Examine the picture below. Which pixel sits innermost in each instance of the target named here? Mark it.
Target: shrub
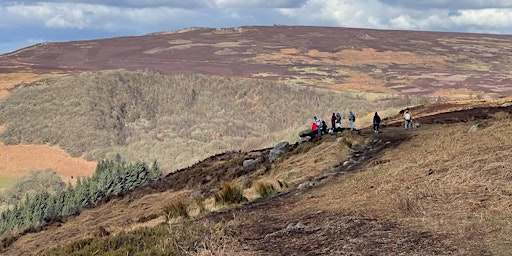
(265, 189)
(229, 194)
(175, 210)
(199, 200)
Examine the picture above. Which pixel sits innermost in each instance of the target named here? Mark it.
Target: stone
(473, 128)
(278, 150)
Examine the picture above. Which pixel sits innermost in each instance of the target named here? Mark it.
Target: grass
(444, 180)
(264, 189)
(188, 238)
(229, 194)
(6, 182)
(176, 210)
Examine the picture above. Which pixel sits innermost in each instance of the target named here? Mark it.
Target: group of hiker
(319, 126)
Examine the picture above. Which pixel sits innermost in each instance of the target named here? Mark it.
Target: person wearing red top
(314, 127)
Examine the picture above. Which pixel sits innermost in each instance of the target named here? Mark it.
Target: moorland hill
(437, 190)
(418, 63)
(209, 104)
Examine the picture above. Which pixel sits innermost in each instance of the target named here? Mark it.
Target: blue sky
(24, 23)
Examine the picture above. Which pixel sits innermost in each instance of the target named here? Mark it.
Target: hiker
(318, 124)
(376, 122)
(407, 119)
(351, 120)
(338, 119)
(333, 121)
(314, 128)
(324, 127)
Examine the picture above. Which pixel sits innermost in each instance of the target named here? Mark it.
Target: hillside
(419, 64)
(362, 70)
(436, 190)
(174, 119)
(202, 102)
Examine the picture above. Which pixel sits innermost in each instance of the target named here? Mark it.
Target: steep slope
(434, 190)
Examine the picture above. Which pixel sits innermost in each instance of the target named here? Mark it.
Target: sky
(24, 23)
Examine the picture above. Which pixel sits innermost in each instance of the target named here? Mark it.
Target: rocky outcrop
(278, 150)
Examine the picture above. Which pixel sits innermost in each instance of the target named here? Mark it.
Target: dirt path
(291, 223)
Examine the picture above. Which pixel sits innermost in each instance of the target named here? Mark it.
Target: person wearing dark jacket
(376, 122)
(333, 121)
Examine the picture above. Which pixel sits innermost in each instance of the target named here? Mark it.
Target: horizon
(29, 22)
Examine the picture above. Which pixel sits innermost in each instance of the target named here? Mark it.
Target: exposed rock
(305, 133)
(506, 105)
(250, 162)
(293, 226)
(278, 150)
(304, 139)
(473, 128)
(306, 184)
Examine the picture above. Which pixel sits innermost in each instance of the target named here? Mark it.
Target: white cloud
(186, 4)
(484, 18)
(449, 4)
(82, 16)
(53, 15)
(258, 3)
(362, 13)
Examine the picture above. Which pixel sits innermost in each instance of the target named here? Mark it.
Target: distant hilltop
(380, 62)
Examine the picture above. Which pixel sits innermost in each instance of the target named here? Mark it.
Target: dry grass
(444, 179)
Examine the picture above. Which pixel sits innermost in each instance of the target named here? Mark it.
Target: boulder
(250, 162)
(304, 139)
(305, 133)
(278, 150)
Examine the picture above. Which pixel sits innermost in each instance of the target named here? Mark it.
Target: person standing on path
(407, 119)
(318, 123)
(376, 122)
(338, 122)
(333, 121)
(351, 120)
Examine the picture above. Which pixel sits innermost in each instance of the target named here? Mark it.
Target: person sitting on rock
(318, 123)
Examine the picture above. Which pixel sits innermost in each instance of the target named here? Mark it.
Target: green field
(6, 182)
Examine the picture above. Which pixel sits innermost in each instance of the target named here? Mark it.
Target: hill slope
(434, 190)
(393, 62)
(174, 119)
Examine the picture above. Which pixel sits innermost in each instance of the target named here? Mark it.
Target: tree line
(112, 177)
